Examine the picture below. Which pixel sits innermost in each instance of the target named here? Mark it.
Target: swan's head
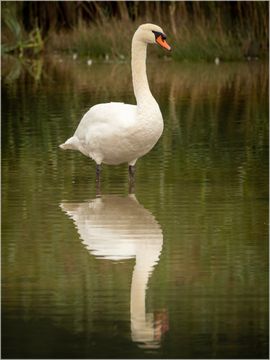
(152, 34)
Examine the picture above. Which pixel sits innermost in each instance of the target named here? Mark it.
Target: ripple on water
(178, 270)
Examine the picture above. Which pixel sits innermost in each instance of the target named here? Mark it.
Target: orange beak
(163, 43)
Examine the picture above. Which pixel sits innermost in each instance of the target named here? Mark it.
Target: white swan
(119, 228)
(115, 133)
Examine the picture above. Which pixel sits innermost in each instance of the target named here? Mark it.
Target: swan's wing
(115, 115)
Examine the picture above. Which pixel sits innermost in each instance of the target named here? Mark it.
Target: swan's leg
(98, 172)
(131, 171)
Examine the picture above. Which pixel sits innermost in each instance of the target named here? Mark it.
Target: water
(179, 268)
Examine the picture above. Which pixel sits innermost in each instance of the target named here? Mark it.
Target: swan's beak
(162, 42)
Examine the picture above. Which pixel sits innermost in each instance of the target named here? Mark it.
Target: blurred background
(198, 30)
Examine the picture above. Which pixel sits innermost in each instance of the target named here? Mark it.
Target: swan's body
(115, 133)
(111, 134)
(137, 235)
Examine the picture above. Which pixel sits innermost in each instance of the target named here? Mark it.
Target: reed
(197, 30)
(98, 41)
(14, 37)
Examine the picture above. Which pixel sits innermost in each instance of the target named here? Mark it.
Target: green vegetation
(14, 37)
(197, 30)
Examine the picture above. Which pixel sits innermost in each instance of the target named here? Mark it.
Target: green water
(196, 226)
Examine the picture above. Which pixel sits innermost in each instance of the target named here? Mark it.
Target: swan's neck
(139, 77)
(138, 292)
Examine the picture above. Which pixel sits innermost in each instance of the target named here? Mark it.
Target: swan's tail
(71, 144)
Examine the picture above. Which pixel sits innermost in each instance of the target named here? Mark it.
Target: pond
(178, 268)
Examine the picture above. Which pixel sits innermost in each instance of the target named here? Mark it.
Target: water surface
(179, 268)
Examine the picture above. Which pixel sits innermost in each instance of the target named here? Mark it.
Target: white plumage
(119, 228)
(115, 133)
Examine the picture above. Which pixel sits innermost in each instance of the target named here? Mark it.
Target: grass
(15, 39)
(197, 31)
(206, 44)
(96, 41)
(189, 43)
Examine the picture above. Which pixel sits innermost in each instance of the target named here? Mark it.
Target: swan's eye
(157, 34)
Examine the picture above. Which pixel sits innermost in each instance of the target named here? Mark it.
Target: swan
(115, 133)
(119, 228)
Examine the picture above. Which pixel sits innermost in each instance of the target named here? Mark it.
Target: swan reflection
(119, 228)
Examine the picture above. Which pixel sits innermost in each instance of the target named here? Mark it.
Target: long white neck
(142, 322)
(139, 77)
(138, 291)
(141, 329)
